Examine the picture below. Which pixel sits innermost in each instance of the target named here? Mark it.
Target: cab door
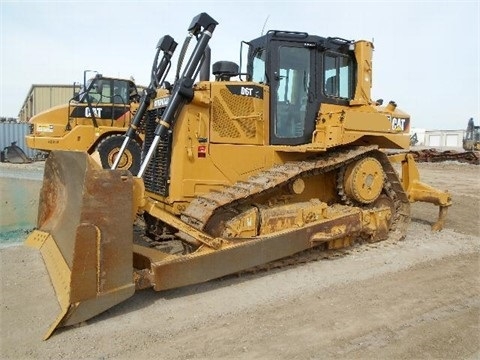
(292, 100)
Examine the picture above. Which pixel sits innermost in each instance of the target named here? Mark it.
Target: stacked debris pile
(433, 155)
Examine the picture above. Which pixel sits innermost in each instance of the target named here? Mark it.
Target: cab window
(338, 75)
(108, 91)
(293, 82)
(120, 92)
(258, 74)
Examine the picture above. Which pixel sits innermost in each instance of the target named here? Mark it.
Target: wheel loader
(237, 172)
(95, 121)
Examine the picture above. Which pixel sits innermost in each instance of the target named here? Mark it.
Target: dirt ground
(414, 299)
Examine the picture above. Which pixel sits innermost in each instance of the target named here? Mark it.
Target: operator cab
(102, 90)
(302, 71)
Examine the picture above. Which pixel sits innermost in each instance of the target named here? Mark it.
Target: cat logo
(398, 124)
(97, 112)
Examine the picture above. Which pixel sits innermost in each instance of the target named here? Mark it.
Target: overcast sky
(426, 54)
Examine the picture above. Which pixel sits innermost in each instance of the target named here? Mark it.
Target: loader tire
(131, 158)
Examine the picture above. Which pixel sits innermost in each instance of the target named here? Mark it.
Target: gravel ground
(417, 298)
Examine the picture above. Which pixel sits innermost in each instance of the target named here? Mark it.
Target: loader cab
(101, 90)
(103, 98)
(302, 71)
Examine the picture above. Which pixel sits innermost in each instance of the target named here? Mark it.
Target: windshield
(106, 91)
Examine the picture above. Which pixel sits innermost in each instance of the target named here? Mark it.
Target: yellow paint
(56, 129)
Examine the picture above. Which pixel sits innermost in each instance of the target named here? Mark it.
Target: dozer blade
(85, 235)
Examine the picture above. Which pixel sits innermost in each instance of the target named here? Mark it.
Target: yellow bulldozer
(95, 120)
(237, 172)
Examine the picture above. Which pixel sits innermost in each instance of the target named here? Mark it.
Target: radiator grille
(234, 116)
(223, 124)
(157, 174)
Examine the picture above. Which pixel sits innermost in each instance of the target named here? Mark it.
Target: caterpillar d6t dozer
(290, 156)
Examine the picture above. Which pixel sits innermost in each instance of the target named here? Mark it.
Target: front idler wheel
(363, 180)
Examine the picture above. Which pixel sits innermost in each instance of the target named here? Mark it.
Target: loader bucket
(85, 235)
(15, 155)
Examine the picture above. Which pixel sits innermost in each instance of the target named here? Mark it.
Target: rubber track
(202, 208)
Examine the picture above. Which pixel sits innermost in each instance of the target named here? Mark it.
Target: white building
(440, 139)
